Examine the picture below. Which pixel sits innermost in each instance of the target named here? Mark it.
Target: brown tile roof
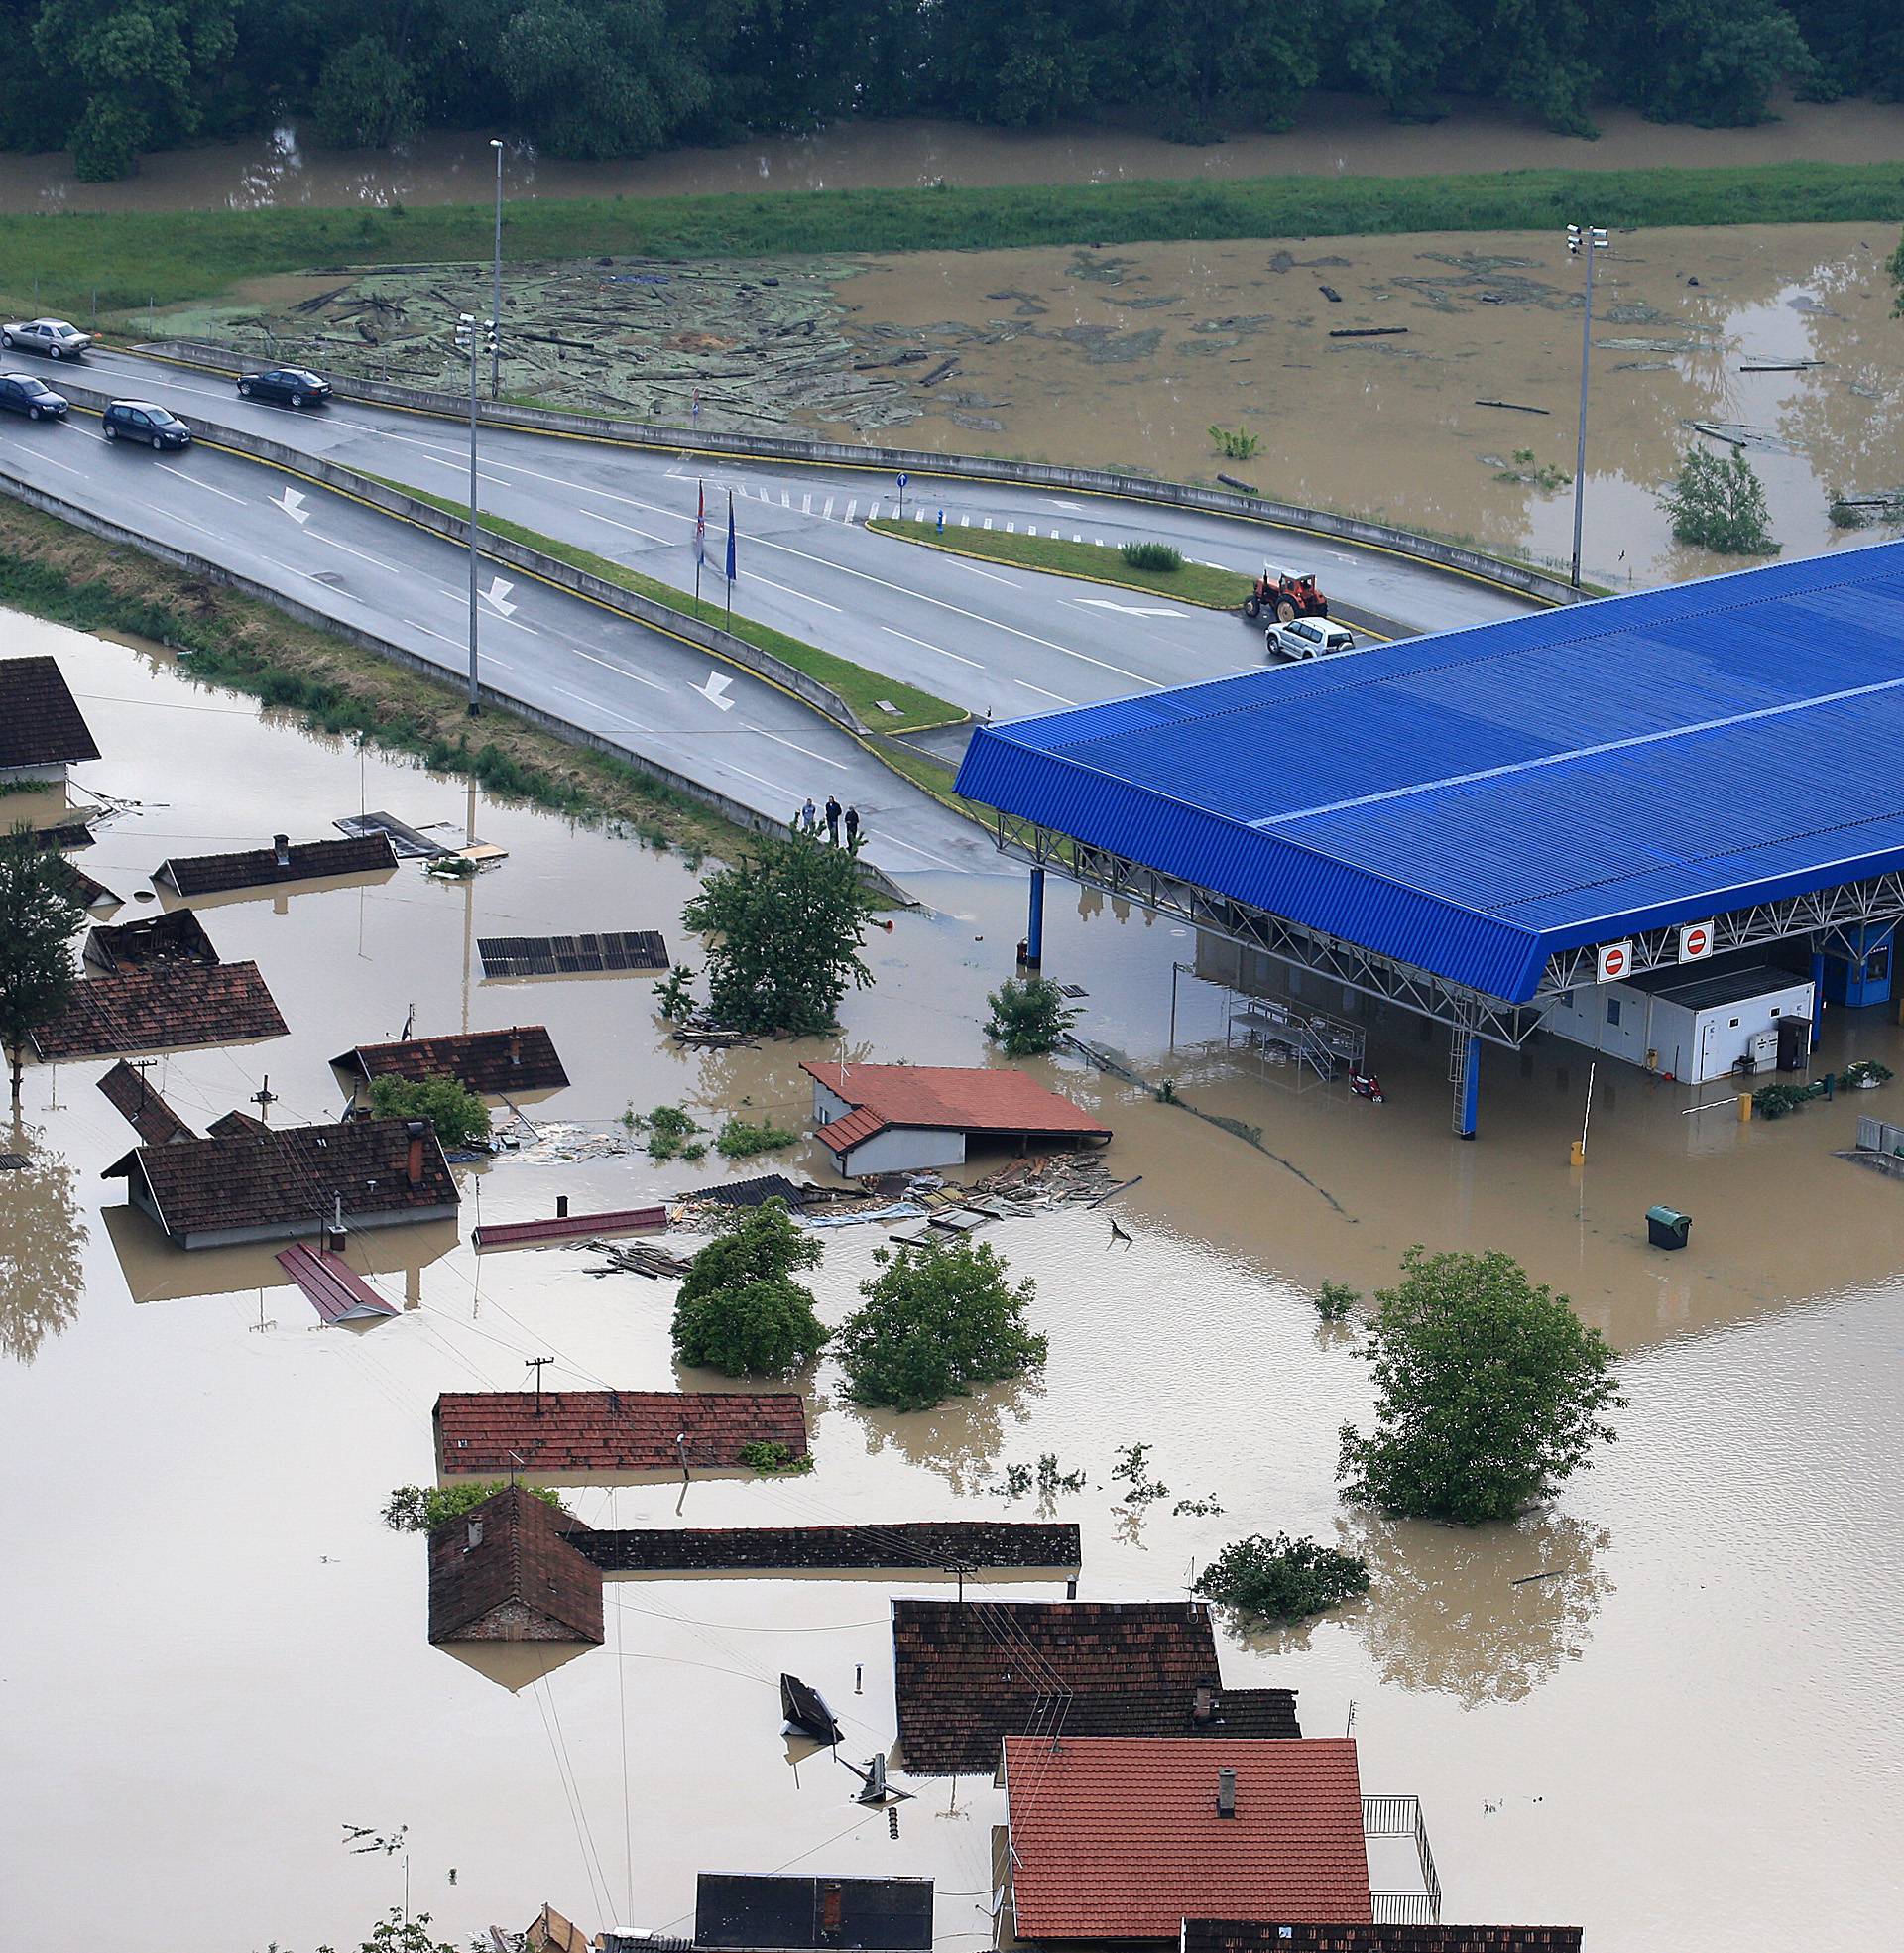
(229, 1123)
(941, 1544)
(520, 1579)
(1278, 1937)
(790, 1914)
(291, 1178)
(549, 1932)
(612, 1431)
(40, 722)
(162, 1009)
(177, 937)
(519, 1060)
(1119, 1838)
(968, 1099)
(966, 1677)
(85, 891)
(129, 1092)
(303, 861)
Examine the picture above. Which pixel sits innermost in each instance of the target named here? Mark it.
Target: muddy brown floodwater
(215, 1656)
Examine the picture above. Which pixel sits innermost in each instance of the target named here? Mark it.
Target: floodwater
(1339, 135)
(218, 1659)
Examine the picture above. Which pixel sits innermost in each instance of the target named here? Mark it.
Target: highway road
(646, 693)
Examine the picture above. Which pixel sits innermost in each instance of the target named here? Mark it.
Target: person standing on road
(833, 820)
(809, 816)
(852, 827)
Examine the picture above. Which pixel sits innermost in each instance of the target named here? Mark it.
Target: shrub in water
(1283, 1580)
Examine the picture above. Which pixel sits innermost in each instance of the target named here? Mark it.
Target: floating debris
(636, 1258)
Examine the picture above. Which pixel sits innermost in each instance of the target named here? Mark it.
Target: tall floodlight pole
(1587, 243)
(474, 337)
(496, 298)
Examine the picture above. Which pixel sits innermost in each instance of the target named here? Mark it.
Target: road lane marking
(649, 534)
(1126, 609)
(806, 505)
(939, 861)
(807, 750)
(51, 463)
(826, 514)
(989, 577)
(411, 624)
(1042, 693)
(197, 483)
(495, 481)
(771, 786)
(595, 705)
(575, 650)
(940, 648)
(850, 506)
(756, 578)
(332, 543)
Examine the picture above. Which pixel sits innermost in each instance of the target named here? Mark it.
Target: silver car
(54, 337)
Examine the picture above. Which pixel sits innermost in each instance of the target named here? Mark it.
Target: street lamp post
(473, 336)
(1586, 242)
(496, 295)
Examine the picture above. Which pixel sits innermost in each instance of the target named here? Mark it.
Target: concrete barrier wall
(920, 463)
(455, 528)
(739, 814)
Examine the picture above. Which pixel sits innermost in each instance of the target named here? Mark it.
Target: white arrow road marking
(714, 692)
(1129, 609)
(1070, 507)
(291, 501)
(498, 594)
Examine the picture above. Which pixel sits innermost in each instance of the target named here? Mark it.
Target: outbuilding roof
(41, 724)
(772, 1913)
(972, 1099)
(130, 1093)
(178, 937)
(1120, 1838)
(297, 861)
(1471, 802)
(164, 1008)
(612, 1431)
(504, 1572)
(966, 1677)
(519, 1060)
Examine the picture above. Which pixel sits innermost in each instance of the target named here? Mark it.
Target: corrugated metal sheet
(1473, 801)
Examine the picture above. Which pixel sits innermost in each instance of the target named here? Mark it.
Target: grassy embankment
(861, 690)
(1094, 562)
(64, 262)
(68, 576)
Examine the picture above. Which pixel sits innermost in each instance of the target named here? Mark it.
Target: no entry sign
(1615, 962)
(1695, 942)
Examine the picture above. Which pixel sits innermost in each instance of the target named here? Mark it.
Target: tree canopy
(1488, 1391)
(739, 1310)
(459, 1116)
(39, 913)
(618, 77)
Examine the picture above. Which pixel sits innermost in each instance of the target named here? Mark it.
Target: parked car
(296, 386)
(21, 392)
(52, 337)
(1308, 637)
(141, 420)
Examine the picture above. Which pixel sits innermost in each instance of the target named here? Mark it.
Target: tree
(367, 96)
(1029, 1017)
(38, 916)
(1720, 505)
(739, 1310)
(1488, 1391)
(1713, 62)
(460, 1116)
(1283, 1580)
(787, 922)
(938, 1319)
(424, 1508)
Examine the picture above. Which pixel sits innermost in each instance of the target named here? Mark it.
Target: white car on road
(1308, 637)
(53, 337)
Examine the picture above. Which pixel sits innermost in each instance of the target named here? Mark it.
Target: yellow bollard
(1578, 1158)
(1745, 1107)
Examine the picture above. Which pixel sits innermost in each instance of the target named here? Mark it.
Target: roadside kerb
(502, 548)
(737, 811)
(972, 467)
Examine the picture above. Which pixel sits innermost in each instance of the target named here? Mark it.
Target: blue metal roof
(1470, 801)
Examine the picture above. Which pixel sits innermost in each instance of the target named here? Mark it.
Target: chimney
(1226, 1794)
(280, 844)
(1203, 1705)
(414, 1164)
(515, 1047)
(832, 1903)
(475, 1535)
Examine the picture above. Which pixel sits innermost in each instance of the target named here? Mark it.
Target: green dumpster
(1667, 1227)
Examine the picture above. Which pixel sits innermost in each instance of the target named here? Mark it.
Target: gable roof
(129, 1092)
(40, 723)
(235, 1121)
(519, 1060)
(165, 1008)
(612, 1431)
(519, 1565)
(1277, 1936)
(972, 1099)
(301, 861)
(178, 937)
(788, 1914)
(1115, 1838)
(292, 1177)
(967, 1676)
(940, 1544)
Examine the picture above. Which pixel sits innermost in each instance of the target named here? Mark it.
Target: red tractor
(1286, 597)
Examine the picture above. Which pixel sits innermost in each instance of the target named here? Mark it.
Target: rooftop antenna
(536, 1364)
(515, 1463)
(263, 1098)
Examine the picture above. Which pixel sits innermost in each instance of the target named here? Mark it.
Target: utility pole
(472, 336)
(263, 1098)
(496, 298)
(536, 1364)
(1586, 242)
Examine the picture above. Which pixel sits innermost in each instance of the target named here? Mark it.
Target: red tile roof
(129, 1092)
(39, 724)
(959, 1098)
(162, 1009)
(612, 1431)
(520, 1579)
(1118, 1837)
(519, 1060)
(1281, 1936)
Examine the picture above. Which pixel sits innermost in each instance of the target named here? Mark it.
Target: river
(217, 1659)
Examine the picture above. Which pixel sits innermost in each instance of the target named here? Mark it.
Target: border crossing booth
(1693, 1027)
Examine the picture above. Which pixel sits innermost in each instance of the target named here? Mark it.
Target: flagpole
(730, 559)
(700, 543)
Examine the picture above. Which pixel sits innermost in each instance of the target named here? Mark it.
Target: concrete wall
(827, 1105)
(924, 466)
(53, 774)
(904, 1150)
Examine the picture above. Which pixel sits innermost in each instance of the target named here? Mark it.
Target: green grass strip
(1214, 589)
(122, 261)
(863, 690)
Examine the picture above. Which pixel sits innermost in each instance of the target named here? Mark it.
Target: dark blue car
(141, 420)
(294, 386)
(21, 392)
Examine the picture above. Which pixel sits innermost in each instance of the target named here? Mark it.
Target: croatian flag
(700, 529)
(730, 536)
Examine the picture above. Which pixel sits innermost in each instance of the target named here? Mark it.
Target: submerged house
(284, 861)
(494, 1064)
(772, 1913)
(270, 1185)
(905, 1118)
(42, 729)
(503, 1571)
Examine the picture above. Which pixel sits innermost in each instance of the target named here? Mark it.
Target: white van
(1308, 637)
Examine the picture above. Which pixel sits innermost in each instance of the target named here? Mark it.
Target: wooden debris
(1369, 332)
(637, 1258)
(1513, 406)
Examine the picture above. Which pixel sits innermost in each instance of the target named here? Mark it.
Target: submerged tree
(1488, 1391)
(38, 916)
(1283, 1580)
(1029, 1017)
(785, 924)
(458, 1115)
(739, 1312)
(1721, 505)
